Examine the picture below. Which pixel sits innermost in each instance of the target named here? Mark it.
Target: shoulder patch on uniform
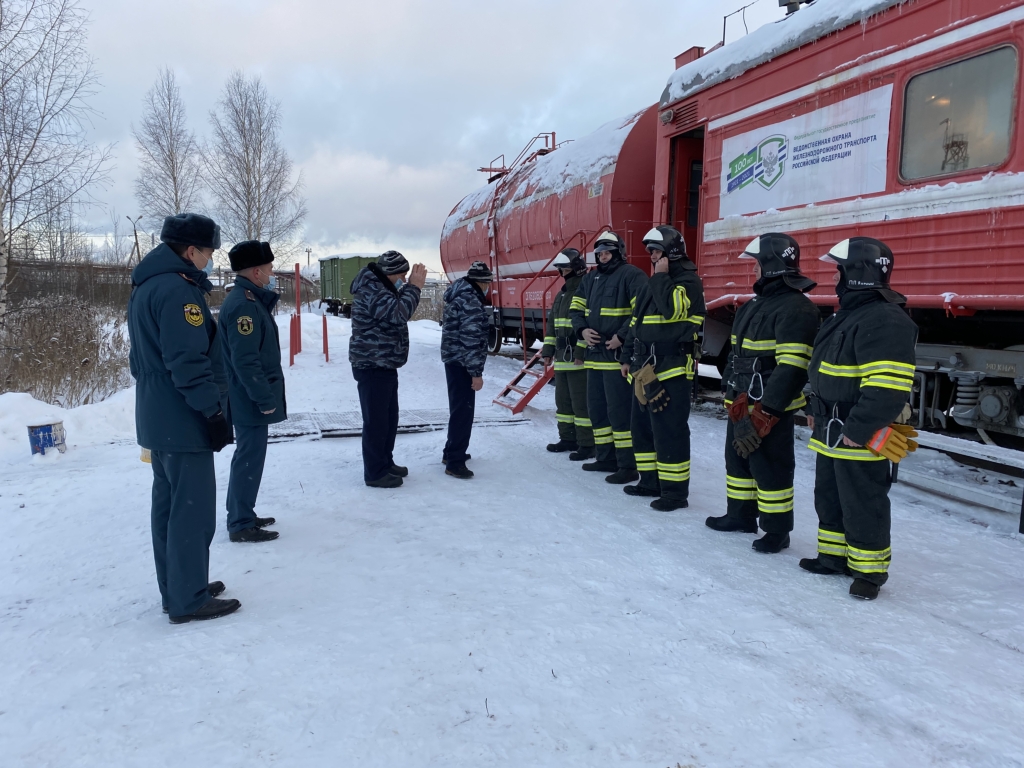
(250, 295)
(245, 325)
(193, 315)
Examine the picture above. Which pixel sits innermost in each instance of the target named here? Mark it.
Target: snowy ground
(532, 617)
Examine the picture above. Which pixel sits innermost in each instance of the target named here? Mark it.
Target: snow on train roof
(582, 161)
(768, 42)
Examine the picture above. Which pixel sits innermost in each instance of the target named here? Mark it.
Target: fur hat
(191, 229)
(393, 263)
(250, 253)
(479, 273)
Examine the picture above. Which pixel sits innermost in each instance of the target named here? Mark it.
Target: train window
(959, 117)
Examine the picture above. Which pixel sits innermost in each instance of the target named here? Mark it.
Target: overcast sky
(389, 106)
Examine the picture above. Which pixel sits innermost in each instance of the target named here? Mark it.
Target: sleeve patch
(193, 315)
(245, 325)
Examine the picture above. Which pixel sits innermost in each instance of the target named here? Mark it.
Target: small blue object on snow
(47, 436)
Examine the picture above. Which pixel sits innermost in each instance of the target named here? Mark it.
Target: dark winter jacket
(604, 302)
(773, 336)
(252, 354)
(666, 322)
(176, 358)
(561, 342)
(465, 327)
(380, 320)
(861, 373)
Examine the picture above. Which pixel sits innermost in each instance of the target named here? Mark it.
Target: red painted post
(327, 354)
(298, 309)
(291, 341)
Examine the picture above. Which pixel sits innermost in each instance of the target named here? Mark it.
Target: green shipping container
(336, 275)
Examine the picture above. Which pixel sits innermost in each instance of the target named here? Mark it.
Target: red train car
(895, 119)
(555, 197)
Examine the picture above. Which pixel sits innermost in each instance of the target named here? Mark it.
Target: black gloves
(220, 431)
(657, 396)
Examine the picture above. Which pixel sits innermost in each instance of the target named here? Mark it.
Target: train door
(686, 174)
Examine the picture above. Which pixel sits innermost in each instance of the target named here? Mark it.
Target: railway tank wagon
(895, 119)
(559, 196)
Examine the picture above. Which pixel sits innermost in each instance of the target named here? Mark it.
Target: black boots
(730, 523)
(388, 481)
(445, 459)
(864, 589)
(585, 452)
(253, 535)
(668, 504)
(602, 466)
(214, 588)
(622, 476)
(814, 565)
(562, 446)
(398, 471)
(211, 609)
(772, 543)
(641, 490)
(460, 471)
(263, 522)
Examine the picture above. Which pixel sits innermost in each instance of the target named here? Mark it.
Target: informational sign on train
(832, 153)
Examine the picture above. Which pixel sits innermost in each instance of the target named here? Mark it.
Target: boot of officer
(600, 313)
(662, 338)
(765, 375)
(861, 375)
(564, 351)
(181, 409)
(252, 353)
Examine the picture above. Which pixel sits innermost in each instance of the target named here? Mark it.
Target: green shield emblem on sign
(771, 154)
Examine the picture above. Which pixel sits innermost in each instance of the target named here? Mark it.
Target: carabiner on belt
(760, 386)
(828, 428)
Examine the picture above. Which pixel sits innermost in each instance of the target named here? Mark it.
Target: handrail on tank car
(584, 241)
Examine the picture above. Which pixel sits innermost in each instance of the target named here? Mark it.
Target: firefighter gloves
(893, 442)
(763, 421)
(656, 395)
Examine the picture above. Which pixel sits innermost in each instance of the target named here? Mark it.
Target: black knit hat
(479, 273)
(393, 263)
(191, 229)
(250, 253)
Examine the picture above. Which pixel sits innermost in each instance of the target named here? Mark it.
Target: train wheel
(493, 340)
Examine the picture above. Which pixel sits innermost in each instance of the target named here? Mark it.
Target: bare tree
(46, 78)
(169, 168)
(248, 171)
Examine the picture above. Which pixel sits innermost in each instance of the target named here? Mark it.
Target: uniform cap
(250, 253)
(191, 229)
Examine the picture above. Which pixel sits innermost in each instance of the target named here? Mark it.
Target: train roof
(769, 42)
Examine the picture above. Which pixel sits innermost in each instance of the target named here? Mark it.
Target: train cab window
(959, 117)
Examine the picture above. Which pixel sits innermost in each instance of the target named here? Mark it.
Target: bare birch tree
(249, 173)
(46, 79)
(170, 160)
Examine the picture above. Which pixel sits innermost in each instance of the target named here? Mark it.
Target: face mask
(399, 283)
(208, 269)
(272, 285)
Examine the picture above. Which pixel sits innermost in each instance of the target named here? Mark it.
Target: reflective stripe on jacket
(604, 302)
(560, 342)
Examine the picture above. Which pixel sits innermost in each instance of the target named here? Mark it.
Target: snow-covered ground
(534, 616)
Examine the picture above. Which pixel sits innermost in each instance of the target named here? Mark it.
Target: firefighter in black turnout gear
(600, 313)
(663, 334)
(861, 375)
(563, 349)
(772, 340)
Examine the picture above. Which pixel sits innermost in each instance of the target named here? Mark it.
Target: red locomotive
(896, 119)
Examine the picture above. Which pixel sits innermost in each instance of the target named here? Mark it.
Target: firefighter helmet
(668, 240)
(865, 264)
(570, 258)
(778, 255)
(609, 241)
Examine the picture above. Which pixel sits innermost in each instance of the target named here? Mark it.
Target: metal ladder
(541, 378)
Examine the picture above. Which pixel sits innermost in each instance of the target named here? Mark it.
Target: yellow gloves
(893, 442)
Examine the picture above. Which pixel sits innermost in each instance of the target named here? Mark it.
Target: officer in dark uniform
(600, 314)
(252, 352)
(565, 352)
(861, 376)
(663, 333)
(765, 375)
(181, 409)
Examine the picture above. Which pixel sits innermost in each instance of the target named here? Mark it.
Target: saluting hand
(418, 276)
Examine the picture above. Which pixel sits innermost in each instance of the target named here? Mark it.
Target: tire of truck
(494, 340)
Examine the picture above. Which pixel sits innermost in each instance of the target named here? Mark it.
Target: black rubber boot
(445, 460)
(398, 471)
(585, 452)
(622, 477)
(211, 609)
(562, 446)
(641, 490)
(460, 471)
(388, 481)
(263, 522)
(602, 466)
(668, 504)
(253, 535)
(214, 588)
(729, 523)
(772, 543)
(814, 565)
(864, 589)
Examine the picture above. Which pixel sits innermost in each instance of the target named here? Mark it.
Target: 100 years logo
(764, 164)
